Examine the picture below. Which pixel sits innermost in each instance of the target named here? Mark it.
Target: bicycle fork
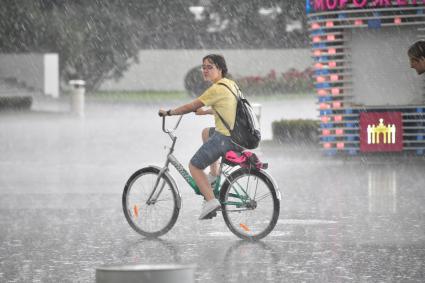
(159, 185)
(154, 197)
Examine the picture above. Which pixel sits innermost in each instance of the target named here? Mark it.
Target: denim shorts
(216, 146)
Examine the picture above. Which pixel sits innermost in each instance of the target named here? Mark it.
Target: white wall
(166, 69)
(51, 74)
(40, 71)
(381, 69)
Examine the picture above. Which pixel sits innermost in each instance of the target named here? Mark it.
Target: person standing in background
(416, 55)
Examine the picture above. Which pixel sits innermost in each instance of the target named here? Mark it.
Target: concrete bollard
(162, 273)
(77, 97)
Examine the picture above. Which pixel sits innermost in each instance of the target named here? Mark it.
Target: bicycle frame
(179, 167)
(183, 172)
(188, 178)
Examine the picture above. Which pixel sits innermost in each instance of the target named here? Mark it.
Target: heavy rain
(80, 89)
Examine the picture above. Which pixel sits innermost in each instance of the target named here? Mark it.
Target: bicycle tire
(253, 219)
(150, 220)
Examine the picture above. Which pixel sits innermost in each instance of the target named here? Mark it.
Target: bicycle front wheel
(250, 204)
(151, 210)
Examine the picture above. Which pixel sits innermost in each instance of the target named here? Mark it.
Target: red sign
(381, 131)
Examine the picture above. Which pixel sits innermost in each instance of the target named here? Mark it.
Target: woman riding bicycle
(216, 140)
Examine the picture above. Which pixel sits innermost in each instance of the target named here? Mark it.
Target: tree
(95, 39)
(98, 40)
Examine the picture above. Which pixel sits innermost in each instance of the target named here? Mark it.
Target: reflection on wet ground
(342, 220)
(66, 245)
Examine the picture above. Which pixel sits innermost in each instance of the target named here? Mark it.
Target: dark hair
(219, 61)
(417, 50)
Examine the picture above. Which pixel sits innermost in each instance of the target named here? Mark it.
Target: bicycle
(249, 197)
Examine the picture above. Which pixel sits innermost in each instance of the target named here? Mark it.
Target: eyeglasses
(207, 67)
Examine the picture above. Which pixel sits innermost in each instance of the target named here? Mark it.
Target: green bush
(296, 131)
(15, 102)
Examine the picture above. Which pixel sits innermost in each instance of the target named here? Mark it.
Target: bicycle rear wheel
(151, 216)
(250, 203)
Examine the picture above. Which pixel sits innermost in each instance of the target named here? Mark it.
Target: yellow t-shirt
(222, 101)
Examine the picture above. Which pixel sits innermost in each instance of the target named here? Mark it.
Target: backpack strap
(238, 96)
(221, 118)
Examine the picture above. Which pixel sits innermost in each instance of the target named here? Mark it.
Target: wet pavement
(61, 178)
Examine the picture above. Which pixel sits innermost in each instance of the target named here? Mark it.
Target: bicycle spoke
(256, 186)
(160, 200)
(263, 197)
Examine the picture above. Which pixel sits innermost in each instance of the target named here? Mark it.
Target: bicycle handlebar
(168, 131)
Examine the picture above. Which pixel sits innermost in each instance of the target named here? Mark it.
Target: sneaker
(209, 207)
(210, 215)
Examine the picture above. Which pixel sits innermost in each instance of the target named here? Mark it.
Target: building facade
(362, 75)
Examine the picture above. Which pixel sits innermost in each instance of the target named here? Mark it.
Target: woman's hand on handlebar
(163, 113)
(184, 109)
